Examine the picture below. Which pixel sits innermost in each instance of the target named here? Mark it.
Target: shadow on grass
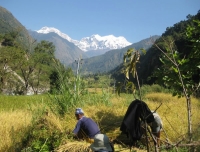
(110, 125)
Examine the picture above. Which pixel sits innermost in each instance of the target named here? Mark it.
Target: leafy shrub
(43, 136)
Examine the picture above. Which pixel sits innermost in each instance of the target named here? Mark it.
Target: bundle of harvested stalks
(74, 147)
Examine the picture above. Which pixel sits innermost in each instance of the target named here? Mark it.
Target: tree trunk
(189, 118)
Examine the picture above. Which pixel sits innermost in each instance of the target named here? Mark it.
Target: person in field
(133, 124)
(156, 126)
(85, 128)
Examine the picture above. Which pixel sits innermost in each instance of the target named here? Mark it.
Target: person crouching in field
(156, 127)
(85, 128)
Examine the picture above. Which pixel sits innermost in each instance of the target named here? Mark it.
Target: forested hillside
(151, 60)
(9, 24)
(26, 67)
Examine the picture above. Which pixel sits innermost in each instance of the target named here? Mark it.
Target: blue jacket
(87, 126)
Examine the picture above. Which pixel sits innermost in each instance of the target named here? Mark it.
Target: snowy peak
(46, 30)
(97, 42)
(94, 42)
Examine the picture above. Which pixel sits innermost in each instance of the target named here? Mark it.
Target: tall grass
(72, 92)
(17, 115)
(20, 102)
(47, 131)
(13, 126)
(155, 88)
(173, 112)
(68, 92)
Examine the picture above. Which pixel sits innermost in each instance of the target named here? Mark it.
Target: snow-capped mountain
(96, 42)
(92, 43)
(46, 30)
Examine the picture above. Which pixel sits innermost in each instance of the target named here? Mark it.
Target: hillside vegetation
(9, 24)
(150, 61)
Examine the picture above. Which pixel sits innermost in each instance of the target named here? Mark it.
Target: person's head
(101, 143)
(79, 113)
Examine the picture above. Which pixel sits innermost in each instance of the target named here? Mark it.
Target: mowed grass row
(17, 114)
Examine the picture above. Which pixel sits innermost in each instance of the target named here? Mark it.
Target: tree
(11, 54)
(23, 68)
(131, 58)
(41, 61)
(180, 70)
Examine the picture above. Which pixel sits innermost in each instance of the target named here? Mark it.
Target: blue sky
(133, 19)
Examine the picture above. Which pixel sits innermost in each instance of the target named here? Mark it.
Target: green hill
(9, 24)
(150, 62)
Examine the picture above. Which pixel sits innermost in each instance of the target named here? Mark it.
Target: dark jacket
(87, 127)
(136, 112)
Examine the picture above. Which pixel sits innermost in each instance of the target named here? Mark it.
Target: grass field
(29, 117)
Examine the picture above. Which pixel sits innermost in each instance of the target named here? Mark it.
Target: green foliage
(99, 81)
(41, 137)
(9, 24)
(193, 36)
(42, 141)
(62, 97)
(42, 60)
(9, 39)
(66, 91)
(155, 88)
(179, 70)
(131, 59)
(8, 103)
(45, 47)
(21, 69)
(175, 63)
(54, 82)
(150, 61)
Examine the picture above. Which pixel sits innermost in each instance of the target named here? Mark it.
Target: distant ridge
(111, 59)
(66, 51)
(94, 45)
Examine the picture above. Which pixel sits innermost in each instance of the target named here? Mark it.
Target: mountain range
(107, 51)
(111, 59)
(68, 50)
(94, 44)
(100, 54)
